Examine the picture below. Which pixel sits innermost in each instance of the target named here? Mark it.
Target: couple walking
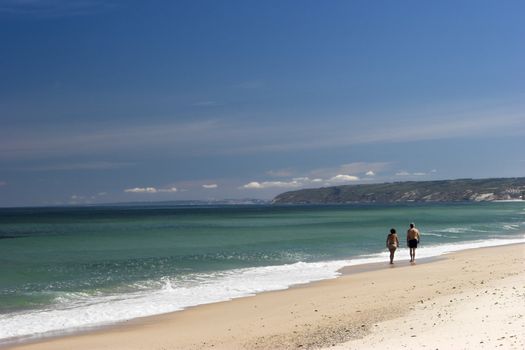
(392, 242)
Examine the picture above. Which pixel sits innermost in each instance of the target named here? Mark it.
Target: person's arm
(387, 241)
(397, 241)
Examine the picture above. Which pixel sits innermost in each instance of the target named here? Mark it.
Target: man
(412, 241)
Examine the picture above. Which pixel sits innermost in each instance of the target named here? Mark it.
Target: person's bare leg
(392, 256)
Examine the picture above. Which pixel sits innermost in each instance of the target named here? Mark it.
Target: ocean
(64, 269)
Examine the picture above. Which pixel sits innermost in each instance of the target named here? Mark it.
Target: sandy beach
(465, 300)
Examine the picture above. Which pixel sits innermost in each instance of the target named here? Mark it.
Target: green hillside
(411, 191)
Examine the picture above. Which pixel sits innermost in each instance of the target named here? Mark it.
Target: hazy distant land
(461, 190)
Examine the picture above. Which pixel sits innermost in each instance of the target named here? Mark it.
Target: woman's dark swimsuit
(412, 243)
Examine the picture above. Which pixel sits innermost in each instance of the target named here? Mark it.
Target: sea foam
(79, 311)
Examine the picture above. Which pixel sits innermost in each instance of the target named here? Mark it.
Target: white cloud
(141, 190)
(299, 182)
(370, 173)
(343, 178)
(339, 133)
(253, 185)
(90, 139)
(351, 168)
(151, 190)
(271, 184)
(210, 186)
(406, 173)
(301, 179)
(230, 137)
(168, 190)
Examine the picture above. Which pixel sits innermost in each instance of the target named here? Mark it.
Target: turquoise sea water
(63, 268)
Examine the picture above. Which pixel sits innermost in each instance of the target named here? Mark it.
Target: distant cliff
(462, 190)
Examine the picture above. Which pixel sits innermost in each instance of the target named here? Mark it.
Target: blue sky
(111, 101)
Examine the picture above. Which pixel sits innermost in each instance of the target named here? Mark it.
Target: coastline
(312, 315)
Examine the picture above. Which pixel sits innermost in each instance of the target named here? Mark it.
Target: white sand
(491, 317)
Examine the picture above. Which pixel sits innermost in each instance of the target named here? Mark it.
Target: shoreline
(359, 267)
(344, 271)
(365, 271)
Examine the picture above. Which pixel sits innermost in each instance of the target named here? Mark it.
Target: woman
(392, 243)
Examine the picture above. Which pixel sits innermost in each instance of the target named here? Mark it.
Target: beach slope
(468, 299)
